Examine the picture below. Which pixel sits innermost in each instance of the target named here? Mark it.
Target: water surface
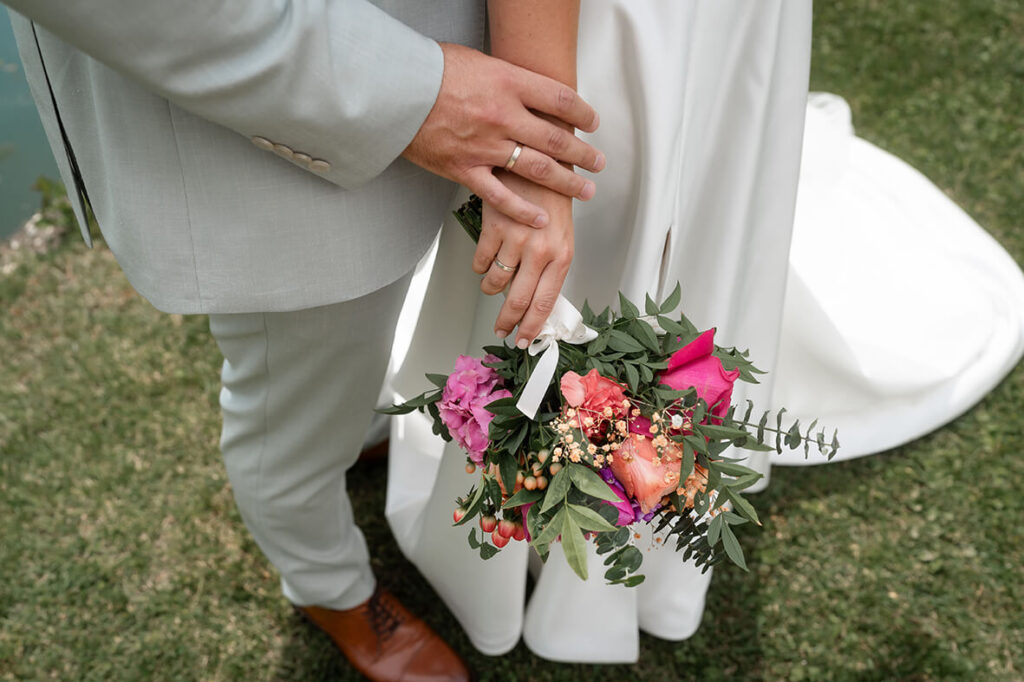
(24, 152)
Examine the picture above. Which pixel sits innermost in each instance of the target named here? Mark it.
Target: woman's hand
(541, 258)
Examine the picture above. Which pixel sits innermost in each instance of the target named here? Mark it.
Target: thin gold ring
(515, 157)
(504, 267)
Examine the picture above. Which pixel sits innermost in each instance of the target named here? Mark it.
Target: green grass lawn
(122, 556)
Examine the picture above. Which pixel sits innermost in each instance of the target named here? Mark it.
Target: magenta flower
(468, 390)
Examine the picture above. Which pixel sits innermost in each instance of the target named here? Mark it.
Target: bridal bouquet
(606, 421)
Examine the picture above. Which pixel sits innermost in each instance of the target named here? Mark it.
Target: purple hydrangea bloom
(468, 390)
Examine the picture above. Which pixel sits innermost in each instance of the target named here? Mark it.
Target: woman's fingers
(486, 249)
(543, 302)
(503, 268)
(517, 301)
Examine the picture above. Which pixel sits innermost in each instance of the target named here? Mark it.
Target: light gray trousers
(298, 394)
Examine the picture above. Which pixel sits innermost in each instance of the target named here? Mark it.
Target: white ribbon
(564, 324)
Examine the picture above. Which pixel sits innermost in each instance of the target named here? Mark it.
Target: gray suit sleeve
(339, 80)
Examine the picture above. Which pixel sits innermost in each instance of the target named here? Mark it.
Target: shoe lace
(382, 616)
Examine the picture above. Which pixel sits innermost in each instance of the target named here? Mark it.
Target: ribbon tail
(540, 379)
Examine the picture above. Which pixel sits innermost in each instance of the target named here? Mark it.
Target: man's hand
(485, 107)
(541, 256)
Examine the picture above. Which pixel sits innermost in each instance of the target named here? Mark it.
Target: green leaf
(793, 436)
(631, 558)
(574, 547)
(557, 489)
(503, 406)
(697, 443)
(671, 327)
(473, 542)
(522, 497)
(744, 482)
(588, 519)
(487, 550)
(589, 482)
(553, 528)
(761, 426)
(632, 376)
(587, 313)
(646, 373)
(731, 469)
(474, 505)
(627, 309)
(438, 380)
(778, 434)
(645, 334)
(507, 467)
(621, 341)
(396, 409)
(741, 505)
(516, 442)
(732, 547)
(650, 306)
(615, 574)
(670, 303)
(720, 432)
(597, 345)
(754, 446)
(631, 581)
(715, 529)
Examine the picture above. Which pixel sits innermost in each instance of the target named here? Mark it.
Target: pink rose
(468, 390)
(591, 394)
(646, 476)
(694, 366)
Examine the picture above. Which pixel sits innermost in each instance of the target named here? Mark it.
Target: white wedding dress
(702, 109)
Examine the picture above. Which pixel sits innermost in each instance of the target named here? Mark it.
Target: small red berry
(459, 514)
(470, 468)
(506, 528)
(519, 533)
(498, 539)
(530, 483)
(542, 483)
(488, 523)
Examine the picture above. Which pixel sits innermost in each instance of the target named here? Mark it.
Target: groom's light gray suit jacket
(243, 155)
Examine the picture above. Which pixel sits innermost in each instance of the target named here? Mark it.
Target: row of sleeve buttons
(286, 152)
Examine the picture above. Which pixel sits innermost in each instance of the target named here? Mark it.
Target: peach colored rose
(646, 476)
(591, 394)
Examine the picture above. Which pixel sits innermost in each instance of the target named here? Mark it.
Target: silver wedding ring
(501, 265)
(515, 157)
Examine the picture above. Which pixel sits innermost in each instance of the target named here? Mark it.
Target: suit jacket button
(283, 150)
(319, 166)
(263, 143)
(304, 159)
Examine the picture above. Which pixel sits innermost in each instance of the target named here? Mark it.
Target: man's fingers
(560, 144)
(543, 170)
(559, 100)
(481, 181)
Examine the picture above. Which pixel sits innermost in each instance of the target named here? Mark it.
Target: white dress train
(897, 301)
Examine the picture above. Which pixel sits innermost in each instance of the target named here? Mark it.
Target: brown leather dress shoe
(384, 641)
